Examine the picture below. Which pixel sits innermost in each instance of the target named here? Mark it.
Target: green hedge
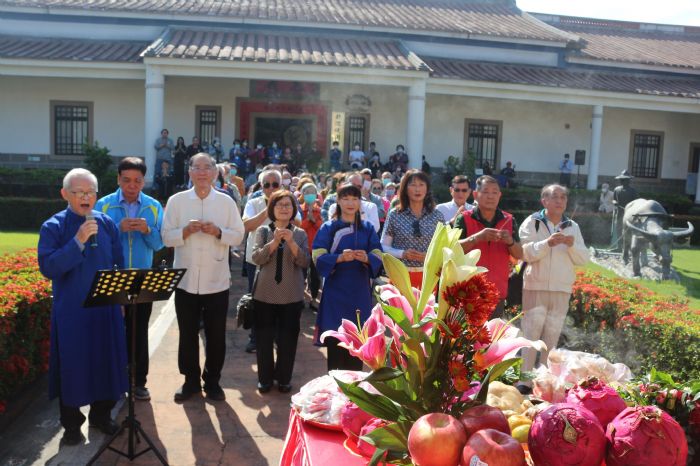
(43, 183)
(27, 213)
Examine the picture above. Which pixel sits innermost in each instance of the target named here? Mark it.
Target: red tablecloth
(307, 445)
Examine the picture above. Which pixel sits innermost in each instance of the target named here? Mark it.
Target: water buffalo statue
(646, 224)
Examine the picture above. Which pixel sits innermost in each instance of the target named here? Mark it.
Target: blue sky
(685, 12)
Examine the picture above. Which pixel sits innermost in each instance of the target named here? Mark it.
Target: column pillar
(594, 158)
(415, 123)
(155, 97)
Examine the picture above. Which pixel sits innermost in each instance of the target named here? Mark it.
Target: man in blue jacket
(139, 218)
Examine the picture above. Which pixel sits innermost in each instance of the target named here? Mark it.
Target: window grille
(208, 125)
(483, 143)
(646, 154)
(71, 129)
(357, 128)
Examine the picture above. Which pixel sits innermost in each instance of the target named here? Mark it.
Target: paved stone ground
(247, 429)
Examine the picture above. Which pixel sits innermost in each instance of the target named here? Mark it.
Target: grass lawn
(13, 241)
(686, 261)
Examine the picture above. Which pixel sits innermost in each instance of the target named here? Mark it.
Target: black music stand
(129, 287)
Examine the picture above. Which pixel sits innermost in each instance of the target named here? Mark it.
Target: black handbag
(515, 286)
(245, 309)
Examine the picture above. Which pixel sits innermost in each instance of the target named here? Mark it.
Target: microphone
(93, 238)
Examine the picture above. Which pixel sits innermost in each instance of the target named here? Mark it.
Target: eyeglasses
(274, 185)
(82, 194)
(459, 190)
(201, 169)
(416, 228)
(283, 206)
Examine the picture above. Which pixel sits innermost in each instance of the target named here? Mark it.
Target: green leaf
(663, 377)
(376, 405)
(376, 457)
(383, 373)
(414, 352)
(398, 316)
(391, 437)
(495, 372)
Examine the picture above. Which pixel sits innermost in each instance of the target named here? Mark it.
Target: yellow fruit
(520, 433)
(518, 420)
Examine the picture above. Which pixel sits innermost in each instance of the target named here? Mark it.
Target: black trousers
(143, 315)
(72, 418)
(212, 309)
(276, 323)
(340, 358)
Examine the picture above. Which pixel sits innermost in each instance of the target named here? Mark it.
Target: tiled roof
(70, 49)
(636, 43)
(287, 48)
(499, 18)
(612, 81)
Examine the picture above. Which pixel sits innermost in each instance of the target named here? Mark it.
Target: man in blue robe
(87, 363)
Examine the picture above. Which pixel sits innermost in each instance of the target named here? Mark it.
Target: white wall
(679, 130)
(535, 135)
(387, 114)
(183, 94)
(25, 112)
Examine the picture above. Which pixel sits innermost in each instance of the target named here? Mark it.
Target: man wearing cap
(622, 195)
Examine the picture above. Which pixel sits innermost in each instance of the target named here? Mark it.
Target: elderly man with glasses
(87, 362)
(201, 224)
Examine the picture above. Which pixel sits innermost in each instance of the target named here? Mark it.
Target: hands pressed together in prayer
(196, 226)
(560, 238)
(350, 255)
(495, 235)
(413, 255)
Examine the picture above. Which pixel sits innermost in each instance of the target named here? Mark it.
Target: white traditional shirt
(204, 256)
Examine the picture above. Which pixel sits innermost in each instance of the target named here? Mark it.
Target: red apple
(484, 417)
(436, 439)
(492, 447)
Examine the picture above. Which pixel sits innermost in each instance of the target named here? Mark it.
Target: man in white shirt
(356, 158)
(460, 190)
(201, 224)
(368, 210)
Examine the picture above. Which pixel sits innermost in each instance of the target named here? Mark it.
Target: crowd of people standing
(305, 235)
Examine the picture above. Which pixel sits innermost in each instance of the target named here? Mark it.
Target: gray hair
(212, 160)
(549, 189)
(265, 173)
(78, 173)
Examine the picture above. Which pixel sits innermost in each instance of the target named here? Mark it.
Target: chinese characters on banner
(338, 128)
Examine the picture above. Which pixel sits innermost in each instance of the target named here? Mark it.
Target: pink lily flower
(368, 343)
(505, 343)
(391, 295)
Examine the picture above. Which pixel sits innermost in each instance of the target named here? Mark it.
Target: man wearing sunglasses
(460, 191)
(254, 216)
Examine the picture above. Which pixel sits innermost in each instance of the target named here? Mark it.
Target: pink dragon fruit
(367, 449)
(646, 435)
(352, 419)
(566, 434)
(598, 397)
